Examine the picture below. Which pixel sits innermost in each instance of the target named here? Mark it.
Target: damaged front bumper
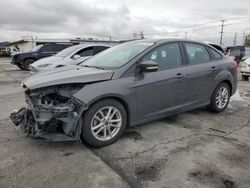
(44, 119)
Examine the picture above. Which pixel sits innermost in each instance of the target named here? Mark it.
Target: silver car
(126, 85)
(70, 56)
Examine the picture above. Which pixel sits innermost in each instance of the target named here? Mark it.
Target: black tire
(87, 134)
(213, 107)
(20, 67)
(27, 63)
(245, 78)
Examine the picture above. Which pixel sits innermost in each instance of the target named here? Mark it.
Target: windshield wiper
(91, 66)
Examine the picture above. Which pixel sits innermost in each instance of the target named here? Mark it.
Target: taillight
(234, 64)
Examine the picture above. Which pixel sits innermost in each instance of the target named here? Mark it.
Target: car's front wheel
(104, 123)
(27, 63)
(220, 98)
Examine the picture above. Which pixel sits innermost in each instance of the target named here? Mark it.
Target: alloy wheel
(106, 123)
(222, 97)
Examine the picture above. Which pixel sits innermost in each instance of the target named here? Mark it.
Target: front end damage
(52, 113)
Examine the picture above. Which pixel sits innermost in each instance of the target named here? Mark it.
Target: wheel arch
(114, 97)
(228, 82)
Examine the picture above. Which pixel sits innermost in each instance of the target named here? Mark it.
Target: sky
(124, 19)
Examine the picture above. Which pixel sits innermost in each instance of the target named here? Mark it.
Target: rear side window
(59, 48)
(99, 49)
(216, 55)
(47, 48)
(86, 52)
(197, 53)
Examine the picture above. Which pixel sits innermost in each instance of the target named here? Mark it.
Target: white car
(245, 69)
(72, 55)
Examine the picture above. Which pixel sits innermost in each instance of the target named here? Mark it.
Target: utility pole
(235, 39)
(222, 31)
(244, 35)
(135, 35)
(141, 34)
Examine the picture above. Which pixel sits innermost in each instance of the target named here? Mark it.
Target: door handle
(212, 69)
(179, 75)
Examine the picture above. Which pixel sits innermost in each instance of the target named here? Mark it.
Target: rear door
(201, 72)
(165, 90)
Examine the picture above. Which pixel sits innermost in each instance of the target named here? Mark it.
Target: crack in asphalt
(239, 128)
(224, 135)
(156, 145)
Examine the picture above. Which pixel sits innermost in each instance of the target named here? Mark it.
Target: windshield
(37, 48)
(117, 56)
(67, 51)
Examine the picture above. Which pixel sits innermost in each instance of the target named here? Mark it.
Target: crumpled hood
(66, 75)
(47, 60)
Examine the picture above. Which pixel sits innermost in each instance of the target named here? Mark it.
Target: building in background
(25, 45)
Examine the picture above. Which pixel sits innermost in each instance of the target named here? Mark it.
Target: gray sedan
(127, 85)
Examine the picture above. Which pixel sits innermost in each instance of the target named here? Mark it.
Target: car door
(201, 71)
(165, 90)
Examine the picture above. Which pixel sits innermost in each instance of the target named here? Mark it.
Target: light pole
(244, 35)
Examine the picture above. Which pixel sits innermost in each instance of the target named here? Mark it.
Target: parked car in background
(126, 85)
(25, 59)
(238, 52)
(218, 47)
(245, 69)
(5, 52)
(13, 51)
(70, 56)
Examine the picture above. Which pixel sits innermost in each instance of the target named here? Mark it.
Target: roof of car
(163, 40)
(89, 45)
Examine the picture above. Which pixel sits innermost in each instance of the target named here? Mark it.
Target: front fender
(120, 89)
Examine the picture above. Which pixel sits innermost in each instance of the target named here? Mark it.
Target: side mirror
(148, 66)
(76, 56)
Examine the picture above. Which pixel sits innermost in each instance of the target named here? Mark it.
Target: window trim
(212, 55)
(186, 54)
(80, 50)
(167, 43)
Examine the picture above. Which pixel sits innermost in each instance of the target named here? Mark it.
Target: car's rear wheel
(27, 63)
(104, 123)
(245, 78)
(220, 98)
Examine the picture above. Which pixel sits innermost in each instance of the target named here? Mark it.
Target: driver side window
(167, 56)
